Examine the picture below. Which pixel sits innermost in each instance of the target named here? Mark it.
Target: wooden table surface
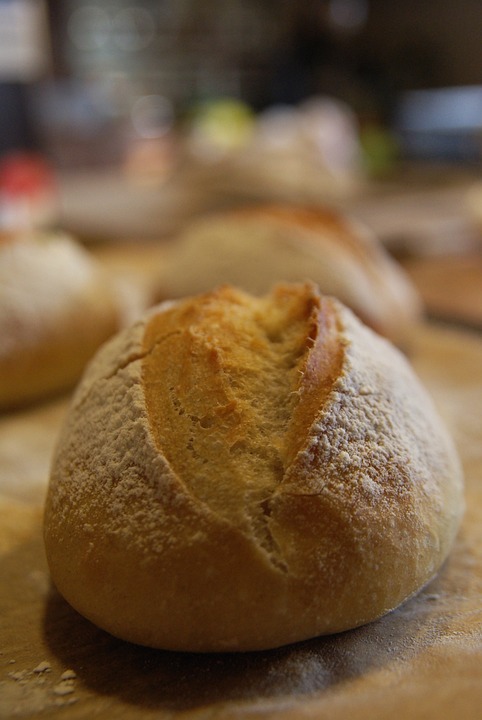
(450, 287)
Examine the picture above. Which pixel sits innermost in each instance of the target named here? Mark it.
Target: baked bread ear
(239, 473)
(255, 247)
(57, 305)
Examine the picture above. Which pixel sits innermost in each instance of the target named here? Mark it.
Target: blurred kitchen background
(144, 92)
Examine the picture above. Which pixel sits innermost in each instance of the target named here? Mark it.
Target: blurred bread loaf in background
(57, 305)
(301, 153)
(256, 246)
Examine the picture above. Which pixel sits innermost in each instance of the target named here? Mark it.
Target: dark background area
(104, 56)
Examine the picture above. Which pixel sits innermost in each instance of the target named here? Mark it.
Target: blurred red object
(28, 192)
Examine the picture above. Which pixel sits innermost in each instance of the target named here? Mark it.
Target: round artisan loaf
(255, 247)
(238, 473)
(57, 305)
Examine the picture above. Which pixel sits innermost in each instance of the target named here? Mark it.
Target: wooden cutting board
(422, 661)
(450, 287)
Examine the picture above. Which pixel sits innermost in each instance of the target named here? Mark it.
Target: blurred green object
(223, 124)
(380, 150)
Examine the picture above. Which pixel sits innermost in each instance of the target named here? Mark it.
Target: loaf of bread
(239, 472)
(255, 247)
(57, 305)
(301, 153)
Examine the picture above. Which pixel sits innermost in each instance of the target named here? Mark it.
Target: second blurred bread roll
(57, 305)
(255, 247)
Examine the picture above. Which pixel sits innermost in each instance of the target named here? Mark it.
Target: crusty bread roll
(57, 305)
(255, 247)
(238, 473)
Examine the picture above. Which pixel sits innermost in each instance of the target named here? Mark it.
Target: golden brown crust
(255, 360)
(238, 473)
